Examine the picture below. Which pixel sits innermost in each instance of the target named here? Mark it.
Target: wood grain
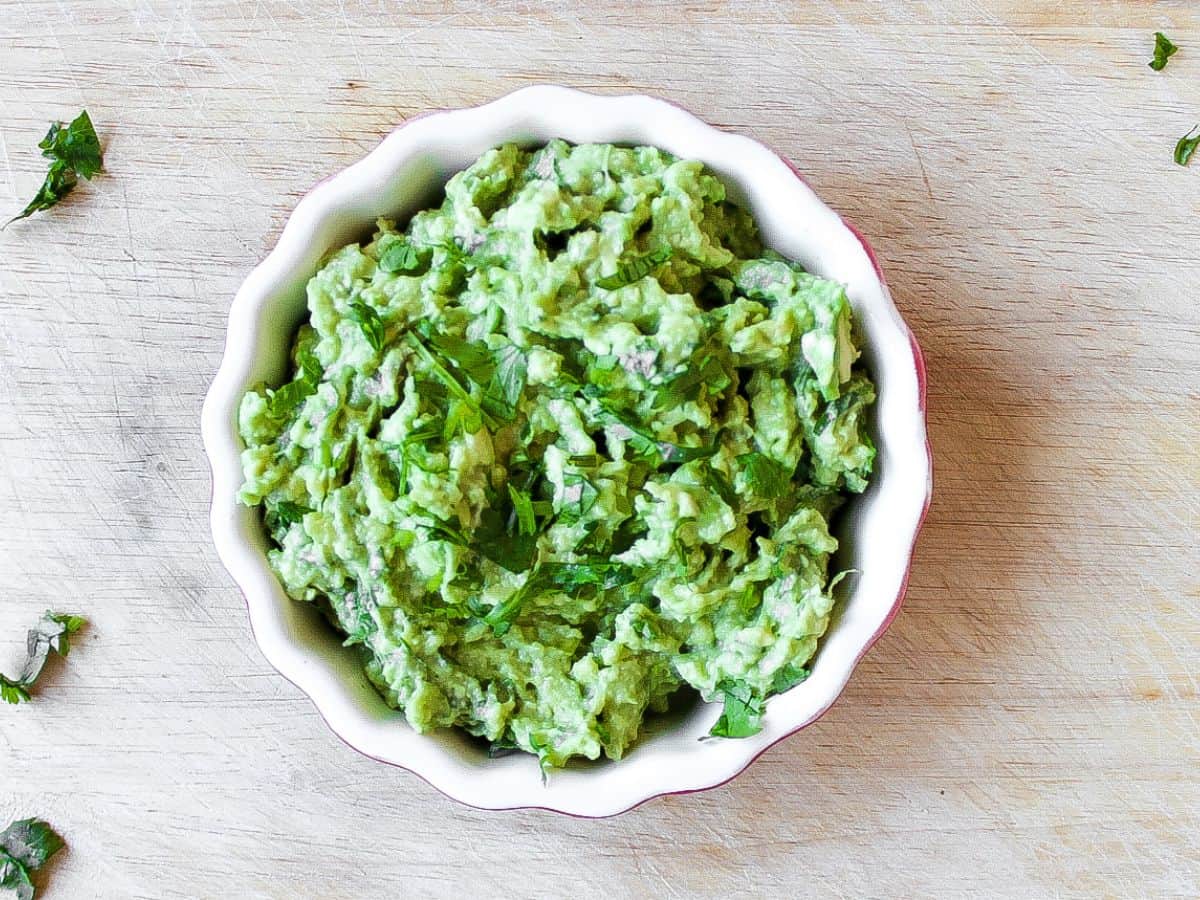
(1028, 727)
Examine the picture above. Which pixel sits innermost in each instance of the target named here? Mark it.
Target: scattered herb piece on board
(1163, 50)
(1186, 146)
(74, 151)
(52, 633)
(25, 846)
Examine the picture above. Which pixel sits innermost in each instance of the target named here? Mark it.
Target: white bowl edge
(793, 221)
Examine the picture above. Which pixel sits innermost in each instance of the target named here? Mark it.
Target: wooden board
(1028, 727)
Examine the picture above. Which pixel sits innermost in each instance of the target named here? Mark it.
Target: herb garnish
(453, 385)
(399, 256)
(788, 677)
(372, 326)
(500, 539)
(646, 446)
(765, 477)
(636, 269)
(708, 374)
(287, 397)
(1163, 50)
(603, 574)
(1187, 146)
(284, 514)
(52, 633)
(742, 716)
(523, 510)
(75, 151)
(25, 846)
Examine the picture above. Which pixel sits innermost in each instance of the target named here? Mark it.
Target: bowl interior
(407, 173)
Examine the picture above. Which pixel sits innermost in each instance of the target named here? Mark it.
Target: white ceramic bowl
(404, 174)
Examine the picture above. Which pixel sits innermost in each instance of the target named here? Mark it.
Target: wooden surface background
(1028, 727)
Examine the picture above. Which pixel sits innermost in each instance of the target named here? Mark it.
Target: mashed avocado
(563, 446)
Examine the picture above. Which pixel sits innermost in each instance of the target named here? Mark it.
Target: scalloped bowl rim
(413, 160)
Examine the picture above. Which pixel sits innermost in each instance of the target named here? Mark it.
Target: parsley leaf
(636, 269)
(286, 398)
(52, 633)
(579, 496)
(493, 540)
(1187, 146)
(444, 531)
(503, 391)
(742, 716)
(75, 151)
(721, 487)
(60, 180)
(707, 373)
(787, 677)
(474, 360)
(1163, 50)
(25, 846)
(602, 573)
(453, 385)
(372, 326)
(523, 507)
(399, 256)
(12, 691)
(500, 372)
(765, 477)
(284, 514)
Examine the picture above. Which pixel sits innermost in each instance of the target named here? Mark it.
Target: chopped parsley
(372, 326)
(1186, 146)
(742, 715)
(284, 514)
(25, 846)
(286, 398)
(399, 256)
(1163, 51)
(788, 677)
(52, 633)
(635, 270)
(764, 477)
(523, 510)
(74, 152)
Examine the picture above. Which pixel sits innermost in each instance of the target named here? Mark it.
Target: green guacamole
(563, 446)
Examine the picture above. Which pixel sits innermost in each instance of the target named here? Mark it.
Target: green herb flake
(579, 496)
(501, 616)
(74, 151)
(788, 676)
(523, 507)
(1187, 146)
(764, 477)
(283, 400)
(446, 377)
(52, 633)
(742, 715)
(721, 487)
(372, 326)
(284, 514)
(25, 846)
(602, 573)
(494, 540)
(503, 390)
(635, 270)
(399, 256)
(1164, 49)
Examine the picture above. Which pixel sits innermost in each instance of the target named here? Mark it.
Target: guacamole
(563, 446)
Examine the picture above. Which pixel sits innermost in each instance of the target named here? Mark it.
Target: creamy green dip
(563, 446)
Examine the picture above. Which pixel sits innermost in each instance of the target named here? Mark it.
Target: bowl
(406, 173)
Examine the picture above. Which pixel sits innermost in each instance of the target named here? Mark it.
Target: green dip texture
(566, 444)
